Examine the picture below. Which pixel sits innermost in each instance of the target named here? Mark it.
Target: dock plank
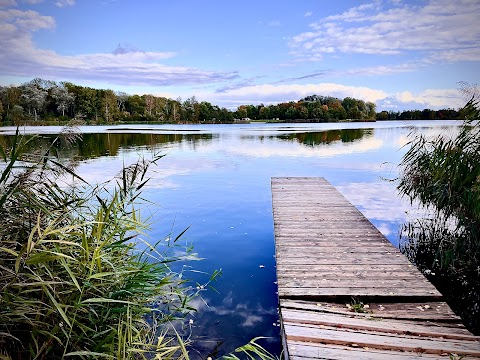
(327, 254)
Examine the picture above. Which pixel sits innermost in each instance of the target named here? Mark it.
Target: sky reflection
(216, 180)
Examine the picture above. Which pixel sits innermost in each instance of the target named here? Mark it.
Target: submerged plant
(75, 278)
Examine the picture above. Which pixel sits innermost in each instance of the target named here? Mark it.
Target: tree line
(425, 114)
(47, 101)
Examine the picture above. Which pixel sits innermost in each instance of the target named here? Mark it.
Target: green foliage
(443, 174)
(46, 100)
(75, 279)
(357, 306)
(252, 350)
(425, 114)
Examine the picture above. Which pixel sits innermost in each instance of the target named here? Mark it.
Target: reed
(74, 281)
(442, 174)
(76, 278)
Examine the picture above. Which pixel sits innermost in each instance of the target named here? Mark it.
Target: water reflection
(94, 145)
(218, 183)
(327, 137)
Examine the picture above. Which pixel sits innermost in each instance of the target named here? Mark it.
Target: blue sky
(398, 54)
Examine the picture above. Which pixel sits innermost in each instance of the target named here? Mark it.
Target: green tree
(382, 115)
(371, 110)
(317, 113)
(10, 97)
(291, 112)
(351, 107)
(109, 105)
(149, 104)
(241, 112)
(189, 108)
(303, 112)
(252, 112)
(264, 112)
(225, 116)
(136, 106)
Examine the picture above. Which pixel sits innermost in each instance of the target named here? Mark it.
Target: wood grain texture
(327, 254)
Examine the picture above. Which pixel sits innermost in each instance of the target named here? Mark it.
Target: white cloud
(20, 57)
(274, 23)
(376, 200)
(466, 54)
(269, 94)
(24, 21)
(13, 3)
(439, 27)
(429, 98)
(377, 70)
(308, 13)
(7, 3)
(266, 93)
(63, 3)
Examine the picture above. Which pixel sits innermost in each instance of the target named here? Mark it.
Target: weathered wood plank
(348, 267)
(326, 252)
(382, 293)
(340, 261)
(420, 311)
(318, 252)
(303, 351)
(374, 341)
(372, 324)
(319, 249)
(388, 283)
(312, 248)
(285, 274)
(334, 241)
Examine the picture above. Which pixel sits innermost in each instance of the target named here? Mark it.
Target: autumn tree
(241, 112)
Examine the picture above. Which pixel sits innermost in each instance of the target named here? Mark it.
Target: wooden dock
(330, 259)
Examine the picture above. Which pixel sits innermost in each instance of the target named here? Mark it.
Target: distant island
(42, 102)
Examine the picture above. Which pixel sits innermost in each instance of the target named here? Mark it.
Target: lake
(215, 179)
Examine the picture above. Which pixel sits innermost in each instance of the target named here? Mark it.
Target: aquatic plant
(76, 279)
(442, 174)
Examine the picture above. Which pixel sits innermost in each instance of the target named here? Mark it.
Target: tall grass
(73, 280)
(443, 175)
(76, 279)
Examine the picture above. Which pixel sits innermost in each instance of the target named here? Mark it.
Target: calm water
(216, 179)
